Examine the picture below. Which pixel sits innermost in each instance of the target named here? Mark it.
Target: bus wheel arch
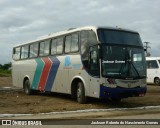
(157, 81)
(27, 86)
(78, 90)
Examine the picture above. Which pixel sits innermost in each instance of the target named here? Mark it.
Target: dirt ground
(16, 102)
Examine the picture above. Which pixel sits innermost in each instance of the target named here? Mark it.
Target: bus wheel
(27, 89)
(81, 93)
(157, 81)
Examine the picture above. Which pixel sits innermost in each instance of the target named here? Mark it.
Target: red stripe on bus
(45, 73)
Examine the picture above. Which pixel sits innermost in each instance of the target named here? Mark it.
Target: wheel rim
(26, 89)
(78, 93)
(157, 81)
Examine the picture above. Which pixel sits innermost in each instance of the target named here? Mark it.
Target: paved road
(89, 117)
(145, 116)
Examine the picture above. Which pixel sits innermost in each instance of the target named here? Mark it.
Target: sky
(25, 20)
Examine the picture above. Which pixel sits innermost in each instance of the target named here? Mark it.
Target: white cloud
(23, 20)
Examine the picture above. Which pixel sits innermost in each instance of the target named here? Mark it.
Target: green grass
(5, 73)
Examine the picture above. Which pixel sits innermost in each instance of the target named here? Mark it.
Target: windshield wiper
(135, 69)
(128, 60)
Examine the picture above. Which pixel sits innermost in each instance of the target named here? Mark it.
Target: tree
(5, 66)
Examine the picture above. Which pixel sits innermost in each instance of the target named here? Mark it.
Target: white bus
(100, 62)
(153, 70)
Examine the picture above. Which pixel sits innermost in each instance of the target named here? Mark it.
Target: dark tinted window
(123, 62)
(84, 45)
(151, 64)
(159, 61)
(119, 37)
(33, 50)
(87, 39)
(94, 61)
(24, 52)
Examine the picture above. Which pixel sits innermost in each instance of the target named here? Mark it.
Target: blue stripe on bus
(52, 73)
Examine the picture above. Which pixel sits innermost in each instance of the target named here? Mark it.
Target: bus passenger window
(24, 52)
(94, 61)
(54, 47)
(16, 53)
(74, 46)
(44, 48)
(88, 39)
(152, 64)
(33, 50)
(60, 46)
(68, 42)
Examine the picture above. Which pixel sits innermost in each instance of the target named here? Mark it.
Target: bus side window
(71, 43)
(94, 61)
(44, 48)
(68, 41)
(84, 48)
(33, 50)
(16, 53)
(54, 47)
(60, 45)
(24, 52)
(152, 64)
(74, 45)
(87, 39)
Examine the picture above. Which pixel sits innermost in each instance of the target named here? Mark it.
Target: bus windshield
(119, 37)
(123, 62)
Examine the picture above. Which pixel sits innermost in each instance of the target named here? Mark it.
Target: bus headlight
(142, 85)
(110, 85)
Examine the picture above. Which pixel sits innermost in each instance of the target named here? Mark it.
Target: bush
(5, 70)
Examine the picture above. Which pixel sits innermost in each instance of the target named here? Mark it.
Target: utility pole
(146, 47)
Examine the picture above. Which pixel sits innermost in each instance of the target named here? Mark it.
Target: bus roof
(94, 28)
(152, 58)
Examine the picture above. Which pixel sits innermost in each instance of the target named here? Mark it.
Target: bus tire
(157, 81)
(27, 88)
(81, 98)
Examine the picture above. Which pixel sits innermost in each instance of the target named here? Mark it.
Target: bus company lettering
(113, 61)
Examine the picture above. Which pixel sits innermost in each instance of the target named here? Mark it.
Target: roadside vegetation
(5, 70)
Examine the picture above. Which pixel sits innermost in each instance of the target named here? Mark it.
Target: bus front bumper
(106, 92)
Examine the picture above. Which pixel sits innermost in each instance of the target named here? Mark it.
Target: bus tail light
(141, 94)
